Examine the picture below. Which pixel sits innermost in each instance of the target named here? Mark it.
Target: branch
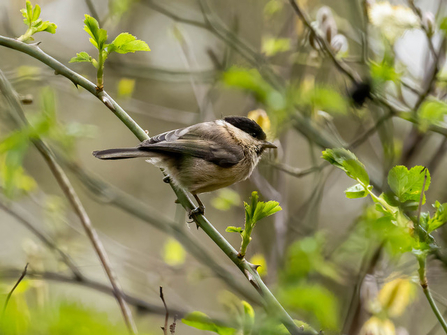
(271, 304)
(137, 302)
(323, 44)
(73, 199)
(424, 284)
(106, 193)
(46, 240)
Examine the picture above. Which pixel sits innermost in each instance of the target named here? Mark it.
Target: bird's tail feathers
(123, 153)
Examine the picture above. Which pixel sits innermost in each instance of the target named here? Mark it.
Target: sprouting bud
(339, 44)
(428, 21)
(326, 23)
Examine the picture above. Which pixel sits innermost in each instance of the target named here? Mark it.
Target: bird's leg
(198, 210)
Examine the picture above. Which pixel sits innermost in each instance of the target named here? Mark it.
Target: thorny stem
(74, 200)
(424, 284)
(270, 302)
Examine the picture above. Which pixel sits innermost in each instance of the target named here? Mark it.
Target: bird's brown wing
(191, 141)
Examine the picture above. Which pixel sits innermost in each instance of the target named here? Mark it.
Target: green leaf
(249, 318)
(251, 80)
(356, 191)
(439, 218)
(348, 162)
(125, 43)
(407, 184)
(29, 11)
(258, 210)
(126, 87)
(225, 199)
(202, 321)
(36, 13)
(383, 72)
(232, 229)
(99, 36)
(173, 253)
(272, 46)
(443, 25)
(81, 57)
(431, 112)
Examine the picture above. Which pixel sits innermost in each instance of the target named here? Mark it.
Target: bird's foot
(198, 210)
(167, 179)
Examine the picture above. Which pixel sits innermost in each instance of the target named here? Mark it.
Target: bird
(203, 157)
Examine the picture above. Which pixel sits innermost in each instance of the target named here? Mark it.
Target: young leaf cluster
(398, 206)
(122, 44)
(34, 22)
(255, 211)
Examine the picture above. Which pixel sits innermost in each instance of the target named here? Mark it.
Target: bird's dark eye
(253, 134)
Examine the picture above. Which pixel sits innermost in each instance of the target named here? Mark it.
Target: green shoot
(34, 23)
(122, 44)
(254, 212)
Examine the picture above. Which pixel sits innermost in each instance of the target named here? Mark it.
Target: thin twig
(45, 239)
(424, 284)
(13, 289)
(323, 43)
(74, 200)
(137, 302)
(165, 328)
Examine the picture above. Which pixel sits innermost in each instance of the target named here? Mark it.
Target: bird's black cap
(247, 125)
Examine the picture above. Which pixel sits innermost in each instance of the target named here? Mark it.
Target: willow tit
(203, 157)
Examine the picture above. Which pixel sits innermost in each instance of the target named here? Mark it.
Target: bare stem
(424, 284)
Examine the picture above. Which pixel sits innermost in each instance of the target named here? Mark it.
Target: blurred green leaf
(272, 7)
(259, 259)
(306, 257)
(249, 318)
(202, 321)
(252, 81)
(126, 87)
(348, 162)
(407, 184)
(356, 191)
(226, 198)
(316, 302)
(173, 253)
(431, 112)
(383, 72)
(439, 218)
(321, 98)
(272, 46)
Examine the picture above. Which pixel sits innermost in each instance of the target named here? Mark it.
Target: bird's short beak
(268, 144)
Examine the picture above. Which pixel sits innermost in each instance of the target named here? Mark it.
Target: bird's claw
(167, 179)
(198, 210)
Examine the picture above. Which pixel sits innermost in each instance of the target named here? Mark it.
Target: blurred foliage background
(327, 258)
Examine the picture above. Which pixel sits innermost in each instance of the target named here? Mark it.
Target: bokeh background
(210, 59)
